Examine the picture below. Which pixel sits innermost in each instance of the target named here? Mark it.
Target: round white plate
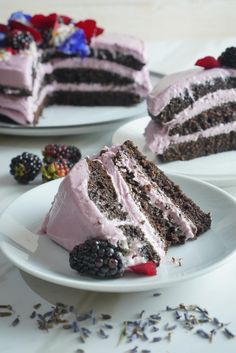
(41, 257)
(68, 120)
(219, 169)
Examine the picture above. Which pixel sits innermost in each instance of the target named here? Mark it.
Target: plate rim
(148, 284)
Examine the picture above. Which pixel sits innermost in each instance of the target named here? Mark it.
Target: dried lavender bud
(37, 306)
(109, 326)
(79, 350)
(67, 327)
(156, 294)
(169, 328)
(228, 333)
(86, 332)
(83, 317)
(145, 351)
(81, 339)
(177, 315)
(75, 326)
(154, 329)
(156, 339)
(102, 334)
(155, 317)
(105, 317)
(134, 350)
(33, 314)
(15, 322)
(203, 333)
(141, 314)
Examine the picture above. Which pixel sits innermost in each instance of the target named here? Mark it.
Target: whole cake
(121, 201)
(52, 59)
(194, 112)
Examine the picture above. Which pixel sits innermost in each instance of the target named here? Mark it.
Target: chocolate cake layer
(222, 114)
(101, 191)
(133, 233)
(177, 104)
(201, 220)
(164, 226)
(87, 75)
(101, 54)
(201, 147)
(94, 98)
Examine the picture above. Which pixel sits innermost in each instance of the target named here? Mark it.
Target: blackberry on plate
(25, 167)
(97, 258)
(55, 170)
(56, 151)
(19, 40)
(228, 58)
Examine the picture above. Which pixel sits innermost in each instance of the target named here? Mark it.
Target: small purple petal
(75, 44)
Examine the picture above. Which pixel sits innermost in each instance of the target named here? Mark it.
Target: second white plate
(219, 169)
(41, 257)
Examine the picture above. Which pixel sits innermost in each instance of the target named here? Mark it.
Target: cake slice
(119, 197)
(194, 112)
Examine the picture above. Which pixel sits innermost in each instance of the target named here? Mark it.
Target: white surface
(41, 257)
(214, 291)
(219, 169)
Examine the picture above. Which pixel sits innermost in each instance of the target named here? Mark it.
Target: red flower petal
(66, 19)
(90, 28)
(45, 22)
(3, 28)
(148, 269)
(209, 62)
(17, 25)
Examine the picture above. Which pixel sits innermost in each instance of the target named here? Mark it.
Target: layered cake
(52, 59)
(193, 113)
(121, 199)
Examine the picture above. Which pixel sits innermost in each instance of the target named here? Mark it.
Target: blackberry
(55, 170)
(53, 152)
(18, 40)
(97, 258)
(25, 167)
(228, 58)
(73, 154)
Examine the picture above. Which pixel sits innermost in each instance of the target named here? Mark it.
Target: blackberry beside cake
(194, 112)
(120, 198)
(52, 59)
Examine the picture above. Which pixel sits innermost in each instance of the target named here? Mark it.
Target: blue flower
(21, 17)
(2, 39)
(75, 44)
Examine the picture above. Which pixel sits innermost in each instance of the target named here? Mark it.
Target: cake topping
(148, 269)
(90, 29)
(54, 30)
(97, 258)
(18, 40)
(208, 62)
(56, 151)
(228, 58)
(75, 44)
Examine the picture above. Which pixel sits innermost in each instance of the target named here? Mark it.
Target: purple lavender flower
(75, 44)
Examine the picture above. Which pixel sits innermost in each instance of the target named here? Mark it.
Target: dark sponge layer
(177, 104)
(201, 219)
(101, 54)
(201, 147)
(87, 76)
(94, 98)
(222, 114)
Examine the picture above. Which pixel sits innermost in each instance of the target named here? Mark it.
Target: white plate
(68, 120)
(39, 256)
(219, 169)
